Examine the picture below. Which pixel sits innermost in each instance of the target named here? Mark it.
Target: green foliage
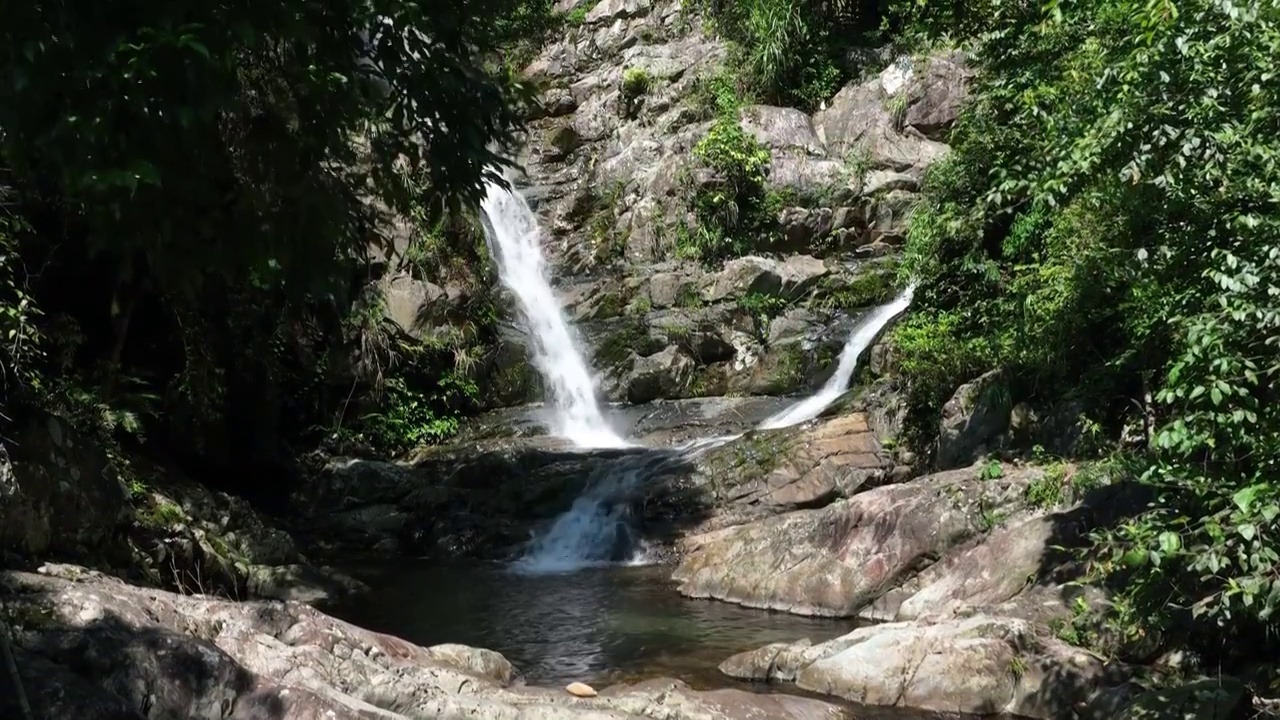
(993, 470)
(198, 190)
(577, 17)
(19, 335)
(635, 82)
(716, 95)
(520, 28)
(608, 241)
(874, 285)
(734, 214)
(762, 308)
(410, 418)
(790, 52)
(1108, 226)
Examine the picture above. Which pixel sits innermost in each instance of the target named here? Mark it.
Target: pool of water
(598, 625)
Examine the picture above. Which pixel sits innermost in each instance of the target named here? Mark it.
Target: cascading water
(595, 529)
(515, 239)
(863, 335)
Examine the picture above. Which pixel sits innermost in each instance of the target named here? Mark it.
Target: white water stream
(596, 529)
(863, 335)
(515, 239)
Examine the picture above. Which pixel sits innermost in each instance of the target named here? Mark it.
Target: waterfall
(596, 529)
(865, 333)
(515, 240)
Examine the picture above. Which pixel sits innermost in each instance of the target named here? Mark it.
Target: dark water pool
(599, 625)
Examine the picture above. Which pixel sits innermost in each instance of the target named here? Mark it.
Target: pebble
(578, 689)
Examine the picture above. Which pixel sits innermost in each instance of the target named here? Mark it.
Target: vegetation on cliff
(1107, 230)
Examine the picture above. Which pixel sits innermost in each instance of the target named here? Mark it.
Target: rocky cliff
(619, 154)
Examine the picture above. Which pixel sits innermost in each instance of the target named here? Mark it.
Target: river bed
(597, 625)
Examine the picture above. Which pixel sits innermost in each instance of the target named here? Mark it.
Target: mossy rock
(872, 284)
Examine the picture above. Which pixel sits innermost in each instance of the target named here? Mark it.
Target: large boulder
(835, 560)
(666, 374)
(981, 665)
(973, 420)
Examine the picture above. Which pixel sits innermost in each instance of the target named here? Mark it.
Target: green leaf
(1244, 497)
(1170, 542)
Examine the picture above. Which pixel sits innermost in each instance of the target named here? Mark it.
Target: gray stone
(666, 374)
(975, 416)
(938, 92)
(983, 665)
(60, 494)
(835, 560)
(415, 306)
(782, 130)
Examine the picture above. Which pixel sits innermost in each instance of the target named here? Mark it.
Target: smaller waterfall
(597, 530)
(863, 335)
(515, 239)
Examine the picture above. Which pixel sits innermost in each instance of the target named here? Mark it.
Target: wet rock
(981, 665)
(975, 416)
(766, 473)
(835, 560)
(509, 484)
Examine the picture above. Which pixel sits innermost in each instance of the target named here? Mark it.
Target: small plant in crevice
(608, 242)
(993, 470)
(577, 17)
(761, 308)
(636, 81)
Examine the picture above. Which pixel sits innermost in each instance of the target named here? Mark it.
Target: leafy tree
(1108, 228)
(197, 188)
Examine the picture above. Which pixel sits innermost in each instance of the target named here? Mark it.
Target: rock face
(611, 169)
(980, 665)
(93, 648)
(976, 415)
(837, 559)
(766, 473)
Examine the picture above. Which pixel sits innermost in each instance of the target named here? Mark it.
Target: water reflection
(599, 624)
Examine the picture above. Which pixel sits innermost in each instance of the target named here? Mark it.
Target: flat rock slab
(835, 560)
(980, 665)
